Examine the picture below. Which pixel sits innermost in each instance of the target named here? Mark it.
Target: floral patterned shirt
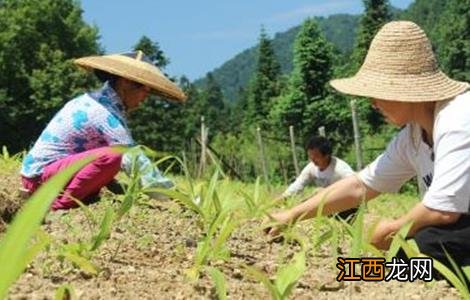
(90, 121)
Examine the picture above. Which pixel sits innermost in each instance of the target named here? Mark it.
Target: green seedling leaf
(321, 205)
(466, 271)
(407, 247)
(80, 261)
(43, 240)
(212, 185)
(105, 229)
(215, 224)
(5, 154)
(457, 270)
(180, 197)
(201, 256)
(324, 237)
(65, 292)
(129, 199)
(217, 204)
(288, 275)
(193, 272)
(227, 228)
(14, 255)
(357, 232)
(261, 277)
(248, 202)
(87, 211)
(202, 251)
(395, 245)
(216, 163)
(219, 282)
(451, 277)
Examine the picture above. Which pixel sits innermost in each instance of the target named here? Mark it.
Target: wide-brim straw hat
(136, 67)
(400, 66)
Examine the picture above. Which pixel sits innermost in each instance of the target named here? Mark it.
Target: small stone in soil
(106, 273)
(190, 243)
(237, 274)
(86, 275)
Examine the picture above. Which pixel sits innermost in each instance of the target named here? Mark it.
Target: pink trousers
(86, 183)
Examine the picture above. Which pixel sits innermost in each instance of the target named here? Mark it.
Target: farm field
(170, 249)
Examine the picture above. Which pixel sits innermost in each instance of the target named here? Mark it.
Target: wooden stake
(294, 153)
(262, 156)
(202, 163)
(357, 135)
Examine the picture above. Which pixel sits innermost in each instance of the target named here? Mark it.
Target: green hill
(340, 29)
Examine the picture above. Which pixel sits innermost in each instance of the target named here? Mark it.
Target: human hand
(383, 234)
(280, 220)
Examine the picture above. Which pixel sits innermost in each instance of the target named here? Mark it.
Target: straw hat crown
(137, 67)
(400, 66)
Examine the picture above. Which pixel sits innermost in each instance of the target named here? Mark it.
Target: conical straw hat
(400, 66)
(134, 66)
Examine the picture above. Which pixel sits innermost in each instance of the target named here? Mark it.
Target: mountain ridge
(235, 73)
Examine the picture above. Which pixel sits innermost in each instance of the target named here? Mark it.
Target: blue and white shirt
(90, 121)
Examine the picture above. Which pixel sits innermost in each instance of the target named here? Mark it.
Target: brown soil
(151, 248)
(10, 200)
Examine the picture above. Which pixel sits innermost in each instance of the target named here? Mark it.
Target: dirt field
(149, 252)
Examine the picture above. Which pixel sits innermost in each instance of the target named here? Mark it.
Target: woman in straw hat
(401, 77)
(94, 122)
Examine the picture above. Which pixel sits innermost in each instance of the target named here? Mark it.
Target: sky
(200, 35)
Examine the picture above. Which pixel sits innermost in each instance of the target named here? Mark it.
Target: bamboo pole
(262, 156)
(357, 135)
(202, 162)
(294, 153)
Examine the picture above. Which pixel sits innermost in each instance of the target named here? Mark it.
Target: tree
(237, 110)
(210, 103)
(191, 108)
(375, 16)
(37, 42)
(425, 13)
(264, 85)
(213, 105)
(157, 123)
(152, 51)
(313, 59)
(453, 39)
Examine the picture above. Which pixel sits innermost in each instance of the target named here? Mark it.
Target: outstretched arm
(344, 194)
(305, 178)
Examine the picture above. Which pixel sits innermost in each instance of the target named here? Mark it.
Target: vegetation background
(279, 82)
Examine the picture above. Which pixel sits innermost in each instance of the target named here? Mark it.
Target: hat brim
(134, 70)
(405, 88)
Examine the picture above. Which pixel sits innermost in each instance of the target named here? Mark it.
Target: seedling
(286, 277)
